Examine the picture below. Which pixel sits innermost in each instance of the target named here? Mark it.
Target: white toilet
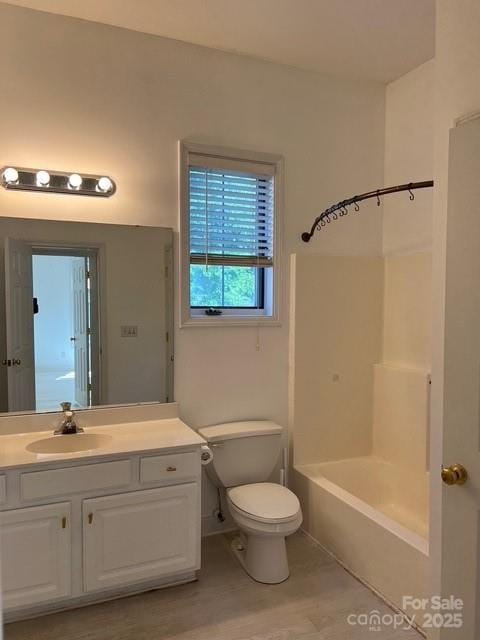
(244, 456)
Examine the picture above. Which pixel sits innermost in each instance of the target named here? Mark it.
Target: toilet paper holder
(206, 454)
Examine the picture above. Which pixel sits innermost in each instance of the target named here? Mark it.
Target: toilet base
(264, 558)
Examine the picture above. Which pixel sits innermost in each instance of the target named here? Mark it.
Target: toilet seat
(265, 502)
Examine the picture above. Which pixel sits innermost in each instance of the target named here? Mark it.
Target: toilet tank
(243, 452)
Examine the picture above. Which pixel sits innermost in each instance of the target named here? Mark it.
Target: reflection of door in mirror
(19, 325)
(50, 319)
(64, 289)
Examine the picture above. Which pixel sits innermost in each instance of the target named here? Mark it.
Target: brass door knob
(454, 474)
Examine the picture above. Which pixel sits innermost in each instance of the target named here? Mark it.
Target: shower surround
(359, 413)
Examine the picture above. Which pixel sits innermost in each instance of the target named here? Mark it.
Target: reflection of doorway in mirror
(65, 320)
(131, 283)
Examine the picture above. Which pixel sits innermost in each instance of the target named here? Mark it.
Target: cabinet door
(35, 554)
(144, 535)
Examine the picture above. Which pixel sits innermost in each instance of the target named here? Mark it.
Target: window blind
(231, 215)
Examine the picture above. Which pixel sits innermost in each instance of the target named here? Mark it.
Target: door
(80, 336)
(35, 554)
(458, 553)
(19, 325)
(139, 536)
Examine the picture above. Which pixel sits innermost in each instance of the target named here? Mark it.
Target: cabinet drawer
(88, 477)
(178, 466)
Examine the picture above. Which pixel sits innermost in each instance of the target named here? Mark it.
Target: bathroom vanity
(114, 509)
(79, 526)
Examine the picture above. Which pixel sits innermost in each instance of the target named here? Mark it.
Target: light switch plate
(129, 331)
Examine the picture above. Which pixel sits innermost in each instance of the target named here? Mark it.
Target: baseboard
(35, 611)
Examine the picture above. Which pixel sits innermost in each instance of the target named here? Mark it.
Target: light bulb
(10, 175)
(105, 184)
(43, 178)
(75, 181)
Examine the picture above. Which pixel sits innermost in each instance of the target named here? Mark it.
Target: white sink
(70, 443)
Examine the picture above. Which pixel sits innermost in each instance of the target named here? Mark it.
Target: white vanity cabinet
(133, 537)
(83, 531)
(35, 554)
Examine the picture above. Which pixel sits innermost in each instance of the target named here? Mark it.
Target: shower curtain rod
(331, 213)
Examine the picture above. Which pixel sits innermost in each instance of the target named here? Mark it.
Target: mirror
(86, 314)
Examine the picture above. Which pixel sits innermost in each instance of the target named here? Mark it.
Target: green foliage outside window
(217, 286)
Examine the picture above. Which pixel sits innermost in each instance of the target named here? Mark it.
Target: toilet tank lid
(231, 430)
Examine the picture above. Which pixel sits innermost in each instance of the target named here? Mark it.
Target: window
(230, 235)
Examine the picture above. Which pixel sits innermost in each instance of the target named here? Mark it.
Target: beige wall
(360, 357)
(402, 380)
(400, 418)
(401, 383)
(408, 310)
(409, 158)
(336, 338)
(132, 291)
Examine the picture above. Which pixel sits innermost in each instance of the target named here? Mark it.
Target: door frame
(97, 278)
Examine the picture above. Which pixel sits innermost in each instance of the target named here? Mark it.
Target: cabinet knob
(64, 522)
(171, 468)
(90, 518)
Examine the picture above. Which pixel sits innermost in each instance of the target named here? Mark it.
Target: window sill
(230, 321)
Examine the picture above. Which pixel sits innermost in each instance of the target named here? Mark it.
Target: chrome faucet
(68, 425)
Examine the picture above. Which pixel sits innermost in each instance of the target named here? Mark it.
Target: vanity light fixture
(75, 181)
(56, 182)
(10, 175)
(43, 178)
(104, 184)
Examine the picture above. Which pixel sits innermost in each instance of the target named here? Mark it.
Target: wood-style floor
(225, 604)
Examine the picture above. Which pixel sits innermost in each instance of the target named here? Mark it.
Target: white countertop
(127, 438)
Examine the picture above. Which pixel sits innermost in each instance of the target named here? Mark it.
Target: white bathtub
(373, 517)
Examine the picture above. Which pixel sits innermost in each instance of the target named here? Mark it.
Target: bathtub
(372, 516)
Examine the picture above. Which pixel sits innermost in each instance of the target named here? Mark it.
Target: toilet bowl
(265, 513)
(244, 457)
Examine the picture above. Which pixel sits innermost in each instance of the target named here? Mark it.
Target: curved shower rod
(331, 213)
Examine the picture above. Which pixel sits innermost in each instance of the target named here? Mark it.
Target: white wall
(85, 96)
(409, 128)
